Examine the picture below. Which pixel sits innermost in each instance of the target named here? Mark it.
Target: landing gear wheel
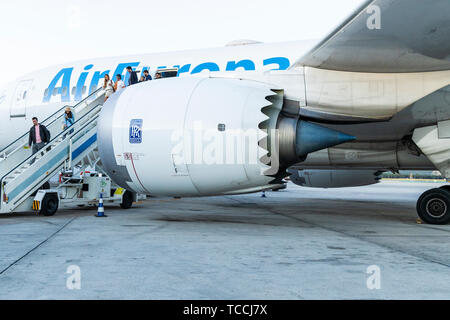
(433, 206)
(127, 200)
(49, 204)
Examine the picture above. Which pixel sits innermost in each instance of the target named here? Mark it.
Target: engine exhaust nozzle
(297, 138)
(312, 137)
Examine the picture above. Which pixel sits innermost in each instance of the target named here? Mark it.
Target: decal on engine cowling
(136, 131)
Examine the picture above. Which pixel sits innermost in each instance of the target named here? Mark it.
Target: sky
(39, 33)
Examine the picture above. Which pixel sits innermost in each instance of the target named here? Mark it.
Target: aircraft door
(20, 96)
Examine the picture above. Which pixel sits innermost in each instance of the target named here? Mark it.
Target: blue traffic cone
(101, 209)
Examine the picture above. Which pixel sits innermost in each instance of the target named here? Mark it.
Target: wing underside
(387, 36)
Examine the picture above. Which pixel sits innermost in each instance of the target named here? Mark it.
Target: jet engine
(334, 178)
(198, 136)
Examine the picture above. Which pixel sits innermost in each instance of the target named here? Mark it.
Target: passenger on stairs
(68, 121)
(133, 79)
(119, 84)
(108, 86)
(38, 137)
(147, 76)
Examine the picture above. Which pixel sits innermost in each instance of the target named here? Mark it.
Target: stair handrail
(2, 152)
(44, 148)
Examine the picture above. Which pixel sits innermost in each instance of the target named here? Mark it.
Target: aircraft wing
(388, 36)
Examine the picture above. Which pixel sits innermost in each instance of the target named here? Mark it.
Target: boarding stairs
(22, 173)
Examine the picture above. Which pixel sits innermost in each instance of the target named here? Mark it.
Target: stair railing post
(70, 153)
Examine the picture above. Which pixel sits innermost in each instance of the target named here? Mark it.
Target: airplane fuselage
(43, 92)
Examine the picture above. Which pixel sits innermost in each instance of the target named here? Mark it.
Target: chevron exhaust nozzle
(292, 139)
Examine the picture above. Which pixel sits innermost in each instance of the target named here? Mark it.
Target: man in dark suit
(38, 137)
(133, 79)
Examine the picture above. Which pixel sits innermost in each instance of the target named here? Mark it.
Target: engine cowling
(334, 178)
(203, 136)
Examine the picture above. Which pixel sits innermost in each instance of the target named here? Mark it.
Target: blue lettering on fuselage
(81, 81)
(211, 66)
(63, 77)
(247, 65)
(64, 90)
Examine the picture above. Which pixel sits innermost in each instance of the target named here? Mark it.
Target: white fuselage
(44, 92)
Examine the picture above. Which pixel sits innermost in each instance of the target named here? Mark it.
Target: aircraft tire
(127, 200)
(433, 206)
(49, 205)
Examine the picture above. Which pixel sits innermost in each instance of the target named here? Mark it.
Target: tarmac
(298, 243)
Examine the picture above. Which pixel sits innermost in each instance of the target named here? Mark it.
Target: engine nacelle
(334, 178)
(198, 136)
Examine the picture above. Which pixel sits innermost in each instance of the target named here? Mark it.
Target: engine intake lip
(105, 144)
